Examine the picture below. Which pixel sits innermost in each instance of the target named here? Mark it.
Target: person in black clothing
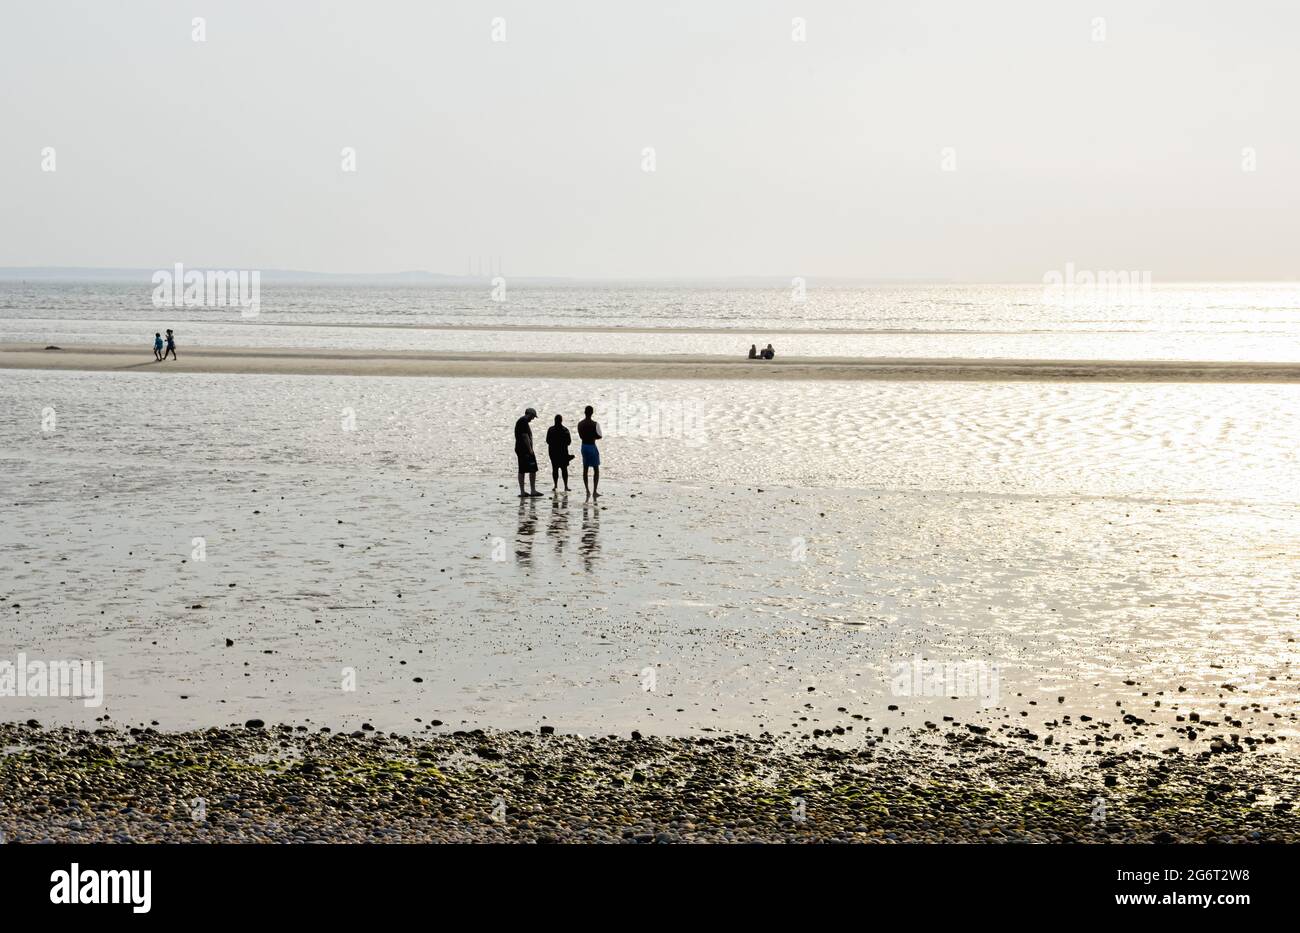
(753, 351)
(557, 448)
(524, 453)
(171, 345)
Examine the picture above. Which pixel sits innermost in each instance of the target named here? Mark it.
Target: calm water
(1102, 542)
(1226, 442)
(1234, 321)
(1098, 542)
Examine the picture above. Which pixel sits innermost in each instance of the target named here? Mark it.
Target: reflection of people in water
(527, 528)
(590, 546)
(558, 527)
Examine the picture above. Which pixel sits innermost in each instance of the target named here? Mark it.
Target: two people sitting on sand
(158, 353)
(767, 353)
(558, 439)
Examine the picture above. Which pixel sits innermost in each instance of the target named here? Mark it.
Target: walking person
(171, 344)
(558, 440)
(589, 432)
(524, 453)
(157, 347)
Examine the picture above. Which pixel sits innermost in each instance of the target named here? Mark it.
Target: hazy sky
(772, 157)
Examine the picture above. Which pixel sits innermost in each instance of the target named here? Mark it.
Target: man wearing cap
(524, 452)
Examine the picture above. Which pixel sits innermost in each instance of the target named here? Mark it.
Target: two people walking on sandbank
(558, 440)
(158, 354)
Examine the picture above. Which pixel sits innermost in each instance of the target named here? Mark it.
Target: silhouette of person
(524, 453)
(589, 432)
(558, 440)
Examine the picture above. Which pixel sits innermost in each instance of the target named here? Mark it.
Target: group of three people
(558, 440)
(767, 353)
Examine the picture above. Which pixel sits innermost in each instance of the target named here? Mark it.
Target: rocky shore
(283, 783)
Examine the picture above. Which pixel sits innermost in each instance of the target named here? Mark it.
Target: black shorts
(527, 462)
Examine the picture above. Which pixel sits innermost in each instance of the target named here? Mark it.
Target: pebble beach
(281, 784)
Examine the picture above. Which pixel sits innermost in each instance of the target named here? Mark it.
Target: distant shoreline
(477, 277)
(327, 362)
(767, 329)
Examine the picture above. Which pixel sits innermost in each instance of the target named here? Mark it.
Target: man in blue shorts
(589, 432)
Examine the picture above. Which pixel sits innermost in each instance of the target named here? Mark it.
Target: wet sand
(397, 597)
(293, 361)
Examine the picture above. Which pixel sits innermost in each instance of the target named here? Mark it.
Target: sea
(1127, 320)
(1125, 546)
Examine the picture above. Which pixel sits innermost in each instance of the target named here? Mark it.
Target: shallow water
(1074, 536)
(1227, 441)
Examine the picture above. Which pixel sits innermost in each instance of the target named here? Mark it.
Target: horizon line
(87, 272)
